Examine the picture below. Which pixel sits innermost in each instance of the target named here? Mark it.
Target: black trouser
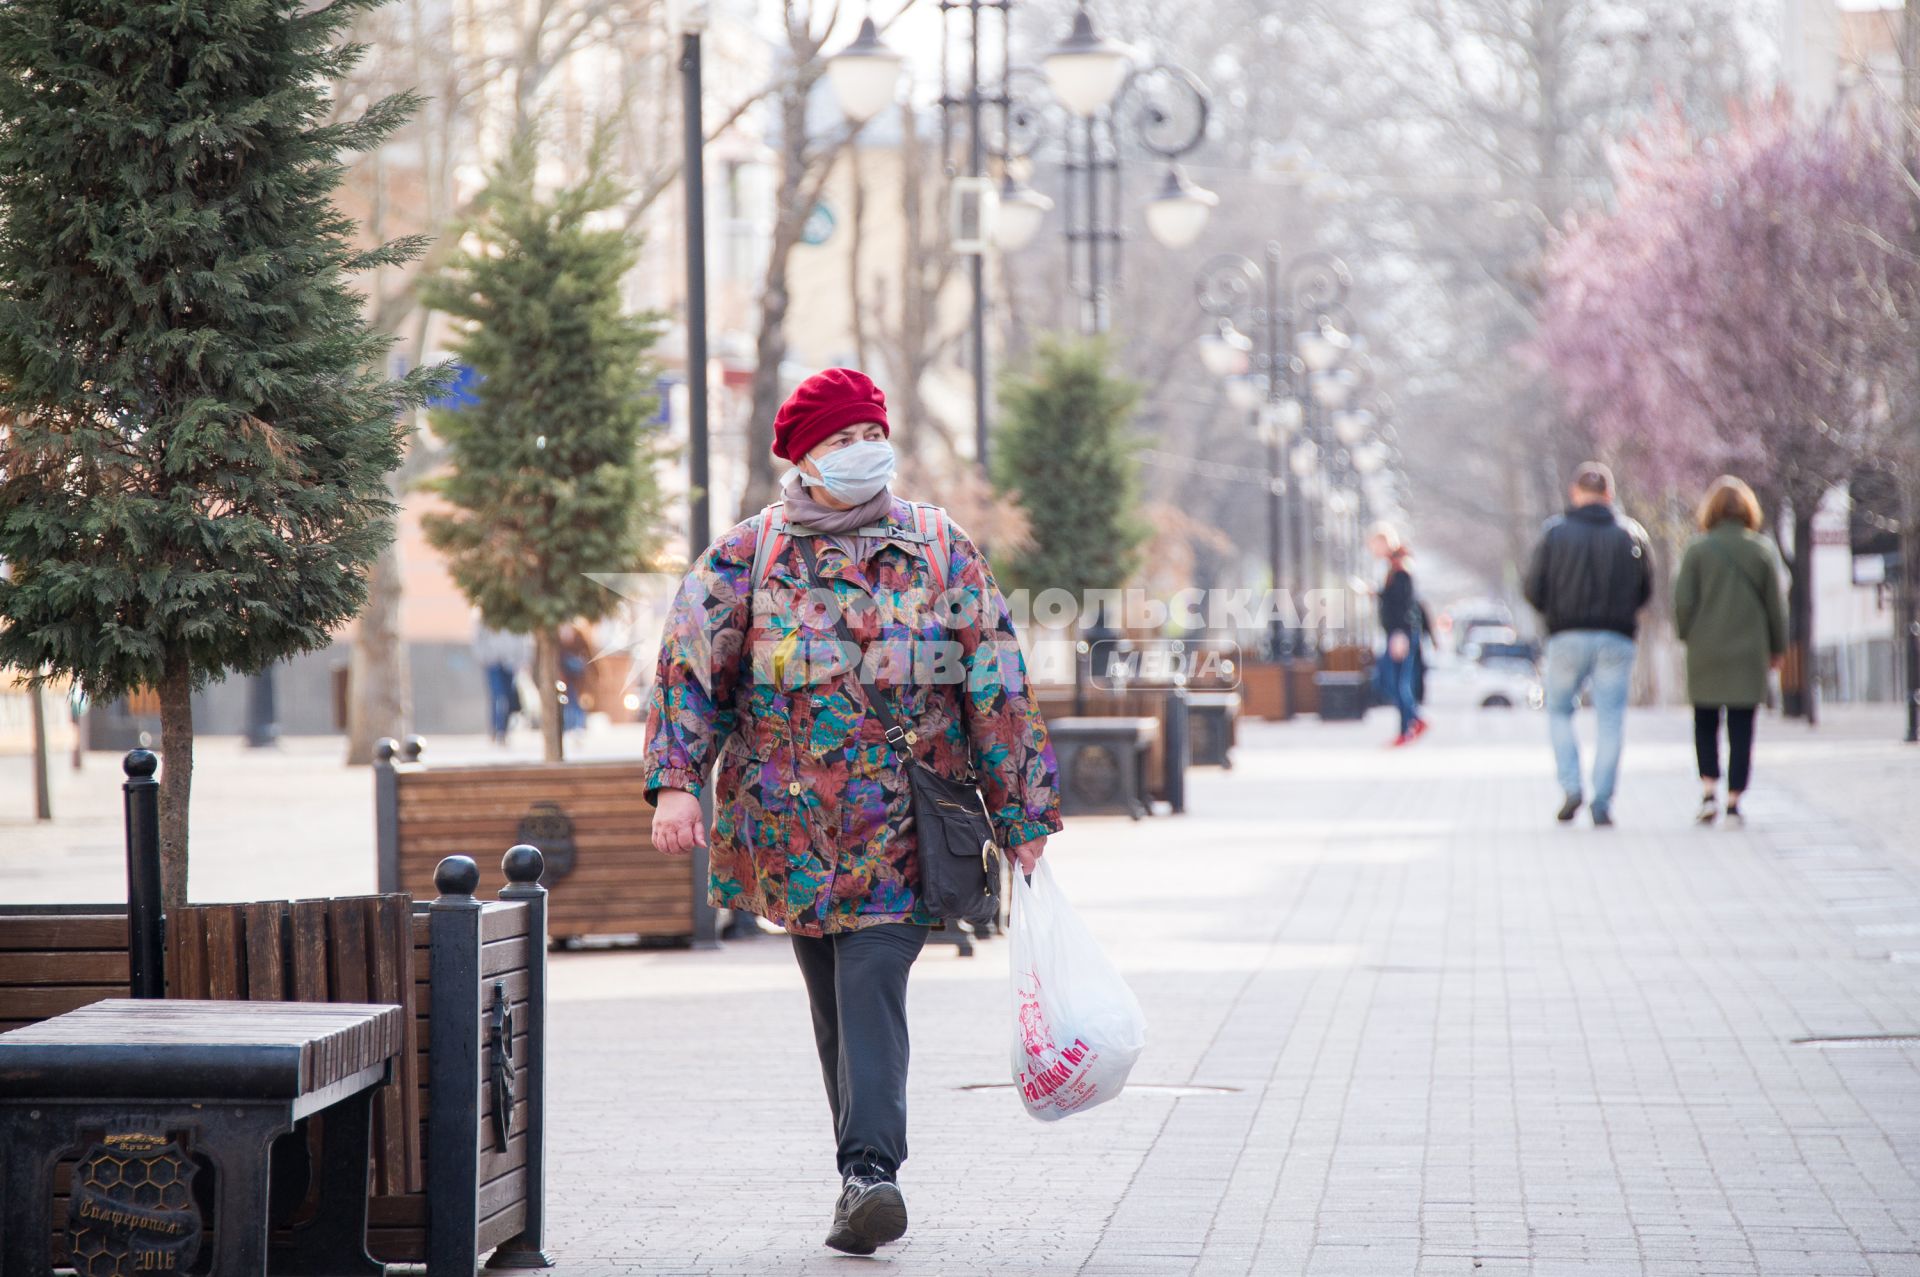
(1706, 744)
(857, 983)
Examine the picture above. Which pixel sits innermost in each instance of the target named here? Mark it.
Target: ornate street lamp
(1023, 211)
(865, 75)
(1178, 214)
(1163, 110)
(1088, 74)
(1279, 301)
(1086, 71)
(1226, 353)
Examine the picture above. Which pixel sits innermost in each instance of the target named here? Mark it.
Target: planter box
(1263, 692)
(591, 821)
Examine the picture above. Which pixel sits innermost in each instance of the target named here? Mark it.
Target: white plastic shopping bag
(1077, 1028)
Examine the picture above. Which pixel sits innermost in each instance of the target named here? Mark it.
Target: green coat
(1728, 610)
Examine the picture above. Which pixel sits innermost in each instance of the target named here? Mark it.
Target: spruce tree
(1065, 448)
(551, 473)
(196, 430)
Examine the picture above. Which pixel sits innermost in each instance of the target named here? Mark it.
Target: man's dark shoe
(1602, 818)
(1568, 809)
(871, 1213)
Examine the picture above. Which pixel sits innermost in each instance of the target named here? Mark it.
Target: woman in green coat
(1728, 610)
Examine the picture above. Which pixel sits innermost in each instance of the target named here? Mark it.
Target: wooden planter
(592, 821)
(445, 964)
(1263, 692)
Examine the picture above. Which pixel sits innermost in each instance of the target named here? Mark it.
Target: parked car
(1491, 681)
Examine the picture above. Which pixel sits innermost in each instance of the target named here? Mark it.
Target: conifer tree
(196, 428)
(551, 475)
(1065, 448)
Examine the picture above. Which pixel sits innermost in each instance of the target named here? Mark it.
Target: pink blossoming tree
(1744, 307)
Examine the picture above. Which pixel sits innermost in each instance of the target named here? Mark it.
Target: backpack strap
(936, 532)
(932, 530)
(769, 538)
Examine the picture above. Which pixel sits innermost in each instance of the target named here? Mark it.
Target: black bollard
(146, 940)
(1177, 749)
(523, 866)
(453, 1081)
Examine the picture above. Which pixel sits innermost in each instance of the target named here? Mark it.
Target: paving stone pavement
(1451, 1038)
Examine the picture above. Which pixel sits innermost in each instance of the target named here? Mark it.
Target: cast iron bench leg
(334, 1242)
(240, 1142)
(26, 1193)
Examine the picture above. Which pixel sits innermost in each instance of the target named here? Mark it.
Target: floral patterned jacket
(812, 825)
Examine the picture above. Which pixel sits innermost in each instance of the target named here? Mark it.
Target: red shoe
(1404, 738)
(1419, 729)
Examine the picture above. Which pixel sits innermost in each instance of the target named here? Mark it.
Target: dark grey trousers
(857, 984)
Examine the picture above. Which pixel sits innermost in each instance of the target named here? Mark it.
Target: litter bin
(1342, 695)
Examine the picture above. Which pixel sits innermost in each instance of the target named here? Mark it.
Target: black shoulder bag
(959, 861)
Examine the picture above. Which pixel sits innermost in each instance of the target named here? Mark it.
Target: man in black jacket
(1590, 575)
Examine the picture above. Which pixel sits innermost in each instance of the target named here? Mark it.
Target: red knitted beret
(823, 405)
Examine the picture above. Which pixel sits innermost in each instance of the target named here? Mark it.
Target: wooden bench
(58, 958)
(1103, 764)
(54, 958)
(591, 820)
(471, 978)
(169, 1082)
(1167, 752)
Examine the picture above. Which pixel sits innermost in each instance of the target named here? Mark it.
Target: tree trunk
(546, 673)
(176, 779)
(42, 797)
(770, 351)
(794, 202)
(377, 693)
(1797, 699)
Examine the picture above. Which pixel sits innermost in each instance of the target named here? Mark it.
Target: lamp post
(1167, 108)
(1086, 73)
(693, 21)
(1337, 373)
(1280, 302)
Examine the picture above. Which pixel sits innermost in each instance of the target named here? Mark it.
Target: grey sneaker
(871, 1213)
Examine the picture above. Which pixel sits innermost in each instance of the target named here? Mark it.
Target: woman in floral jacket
(812, 820)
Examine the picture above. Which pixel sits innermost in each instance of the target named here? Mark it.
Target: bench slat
(266, 952)
(308, 919)
(169, 1049)
(71, 931)
(62, 966)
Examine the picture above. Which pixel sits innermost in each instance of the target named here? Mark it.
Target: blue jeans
(499, 699)
(1396, 689)
(1603, 659)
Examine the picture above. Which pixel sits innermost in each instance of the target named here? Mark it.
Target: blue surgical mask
(855, 473)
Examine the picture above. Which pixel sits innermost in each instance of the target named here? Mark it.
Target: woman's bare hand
(678, 823)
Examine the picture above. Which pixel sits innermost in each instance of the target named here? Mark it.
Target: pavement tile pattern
(1448, 1036)
(1452, 1038)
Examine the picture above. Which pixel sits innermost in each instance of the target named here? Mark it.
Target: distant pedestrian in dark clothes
(1589, 577)
(576, 653)
(501, 656)
(1728, 610)
(1400, 622)
(1420, 650)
